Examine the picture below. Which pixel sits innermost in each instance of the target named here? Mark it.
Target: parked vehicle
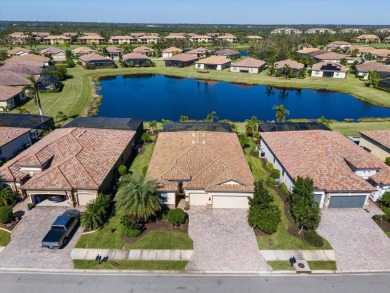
(56, 198)
(61, 229)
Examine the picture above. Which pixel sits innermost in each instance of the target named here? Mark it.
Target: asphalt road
(21, 282)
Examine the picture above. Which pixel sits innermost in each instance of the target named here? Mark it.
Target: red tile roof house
(341, 170)
(80, 51)
(94, 60)
(192, 165)
(114, 52)
(29, 59)
(248, 65)
(57, 54)
(377, 142)
(180, 60)
(228, 53)
(171, 51)
(144, 50)
(136, 60)
(12, 141)
(200, 52)
(333, 57)
(362, 70)
(18, 51)
(213, 62)
(294, 65)
(329, 69)
(76, 163)
(11, 97)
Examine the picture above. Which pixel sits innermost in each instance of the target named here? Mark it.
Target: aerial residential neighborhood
(181, 141)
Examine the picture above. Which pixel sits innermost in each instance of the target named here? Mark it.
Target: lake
(156, 97)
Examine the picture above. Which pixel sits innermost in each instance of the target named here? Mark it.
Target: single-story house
(286, 31)
(18, 37)
(136, 59)
(22, 69)
(201, 38)
(367, 38)
(13, 140)
(309, 50)
(381, 54)
(11, 97)
(56, 40)
(200, 52)
(213, 62)
(76, 163)
(320, 30)
(80, 51)
(228, 53)
(144, 50)
(118, 40)
(194, 167)
(387, 39)
(344, 175)
(169, 52)
(29, 59)
(248, 65)
(180, 60)
(362, 70)
(329, 69)
(58, 55)
(333, 57)
(95, 60)
(11, 78)
(114, 52)
(376, 142)
(47, 83)
(18, 51)
(338, 44)
(92, 38)
(294, 65)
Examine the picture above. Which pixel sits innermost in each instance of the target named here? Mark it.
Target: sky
(370, 12)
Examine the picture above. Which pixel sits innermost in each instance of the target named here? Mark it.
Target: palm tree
(325, 121)
(22, 110)
(302, 73)
(211, 116)
(183, 118)
(287, 71)
(252, 125)
(281, 113)
(271, 69)
(33, 88)
(138, 197)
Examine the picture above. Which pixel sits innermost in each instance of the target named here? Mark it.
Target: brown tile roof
(226, 37)
(249, 62)
(134, 55)
(329, 66)
(184, 57)
(57, 38)
(92, 57)
(227, 52)
(325, 157)
(200, 50)
(16, 50)
(82, 50)
(198, 158)
(332, 56)
(339, 43)
(113, 49)
(77, 158)
(52, 50)
(293, 64)
(365, 67)
(214, 60)
(8, 134)
(308, 50)
(29, 59)
(143, 49)
(22, 68)
(7, 92)
(91, 37)
(122, 38)
(172, 50)
(362, 49)
(367, 36)
(13, 79)
(380, 136)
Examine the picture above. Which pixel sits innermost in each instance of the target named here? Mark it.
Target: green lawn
(162, 265)
(281, 239)
(314, 265)
(143, 160)
(162, 240)
(388, 234)
(346, 128)
(5, 238)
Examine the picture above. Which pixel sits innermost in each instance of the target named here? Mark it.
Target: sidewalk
(322, 255)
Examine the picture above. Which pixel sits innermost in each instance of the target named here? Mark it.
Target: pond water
(244, 53)
(156, 97)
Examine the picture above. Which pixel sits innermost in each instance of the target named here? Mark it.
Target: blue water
(157, 97)
(244, 53)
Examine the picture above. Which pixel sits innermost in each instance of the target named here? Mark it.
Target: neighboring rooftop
(92, 57)
(13, 79)
(172, 50)
(249, 62)
(329, 66)
(197, 126)
(8, 134)
(365, 67)
(143, 49)
(184, 57)
(135, 55)
(293, 64)
(31, 121)
(105, 123)
(214, 60)
(113, 49)
(7, 92)
(227, 52)
(291, 126)
(382, 137)
(21, 68)
(82, 50)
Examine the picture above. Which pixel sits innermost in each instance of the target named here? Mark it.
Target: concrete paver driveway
(25, 250)
(358, 242)
(223, 241)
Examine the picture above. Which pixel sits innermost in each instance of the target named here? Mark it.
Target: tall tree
(373, 78)
(281, 113)
(33, 88)
(252, 126)
(211, 116)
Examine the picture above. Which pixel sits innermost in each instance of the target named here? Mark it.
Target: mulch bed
(9, 226)
(385, 226)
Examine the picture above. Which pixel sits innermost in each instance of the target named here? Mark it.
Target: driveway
(25, 250)
(223, 241)
(358, 242)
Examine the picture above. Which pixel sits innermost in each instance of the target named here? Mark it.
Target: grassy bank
(314, 265)
(5, 238)
(353, 129)
(130, 265)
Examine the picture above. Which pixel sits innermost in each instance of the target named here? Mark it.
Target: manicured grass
(282, 239)
(162, 240)
(163, 265)
(388, 234)
(143, 160)
(5, 238)
(314, 265)
(353, 129)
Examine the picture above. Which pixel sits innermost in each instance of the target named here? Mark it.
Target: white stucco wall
(239, 69)
(167, 54)
(378, 152)
(199, 66)
(316, 73)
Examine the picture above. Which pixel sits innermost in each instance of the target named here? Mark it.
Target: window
(164, 197)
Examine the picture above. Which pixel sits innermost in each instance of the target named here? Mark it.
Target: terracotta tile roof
(135, 55)
(21, 68)
(293, 64)
(367, 36)
(82, 50)
(113, 49)
(52, 50)
(62, 37)
(308, 50)
(91, 36)
(214, 60)
(92, 57)
(340, 43)
(332, 56)
(7, 92)
(200, 50)
(249, 62)
(8, 134)
(28, 57)
(76, 157)
(365, 67)
(143, 49)
(121, 38)
(16, 50)
(226, 37)
(329, 66)
(380, 136)
(13, 79)
(197, 158)
(227, 52)
(172, 50)
(184, 57)
(326, 157)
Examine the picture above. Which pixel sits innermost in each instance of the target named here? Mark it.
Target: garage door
(230, 202)
(356, 201)
(85, 198)
(197, 199)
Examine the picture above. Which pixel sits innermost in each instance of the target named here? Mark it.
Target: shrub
(387, 161)
(255, 153)
(386, 199)
(270, 166)
(284, 189)
(131, 227)
(146, 137)
(176, 217)
(187, 206)
(386, 218)
(144, 170)
(122, 170)
(272, 181)
(244, 140)
(275, 173)
(377, 217)
(96, 212)
(6, 214)
(267, 220)
(7, 197)
(313, 238)
(386, 210)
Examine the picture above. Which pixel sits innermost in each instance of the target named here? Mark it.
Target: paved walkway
(323, 255)
(358, 242)
(223, 241)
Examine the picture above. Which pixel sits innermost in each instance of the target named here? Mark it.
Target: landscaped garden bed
(160, 265)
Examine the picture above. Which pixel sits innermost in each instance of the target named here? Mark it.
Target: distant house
(47, 83)
(70, 34)
(118, 40)
(180, 60)
(338, 44)
(175, 36)
(333, 57)
(58, 55)
(80, 51)
(248, 65)
(201, 39)
(92, 39)
(383, 30)
(376, 142)
(29, 59)
(228, 53)
(18, 37)
(17, 51)
(367, 38)
(362, 70)
(253, 39)
(286, 31)
(227, 38)
(21, 68)
(352, 31)
(200, 52)
(328, 69)
(213, 63)
(320, 30)
(94, 60)
(169, 52)
(114, 52)
(294, 65)
(11, 97)
(387, 40)
(148, 39)
(14, 79)
(56, 40)
(136, 59)
(144, 50)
